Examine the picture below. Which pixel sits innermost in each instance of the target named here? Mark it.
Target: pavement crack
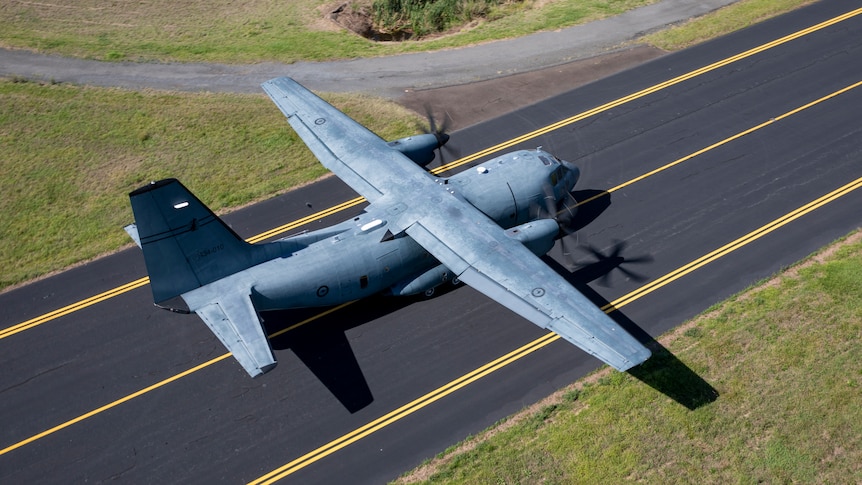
(34, 377)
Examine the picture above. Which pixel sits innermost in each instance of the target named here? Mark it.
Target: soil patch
(358, 18)
(468, 104)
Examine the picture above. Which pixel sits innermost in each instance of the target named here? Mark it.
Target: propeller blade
(438, 131)
(549, 200)
(569, 260)
(566, 214)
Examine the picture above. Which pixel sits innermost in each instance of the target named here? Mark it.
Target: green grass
(784, 358)
(69, 155)
(224, 31)
(723, 21)
(252, 31)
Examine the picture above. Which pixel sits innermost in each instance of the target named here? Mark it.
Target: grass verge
(783, 357)
(70, 154)
(723, 21)
(251, 31)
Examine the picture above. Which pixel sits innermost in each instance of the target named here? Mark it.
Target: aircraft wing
(509, 273)
(469, 243)
(339, 142)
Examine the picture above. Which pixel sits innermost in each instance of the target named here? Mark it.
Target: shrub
(419, 18)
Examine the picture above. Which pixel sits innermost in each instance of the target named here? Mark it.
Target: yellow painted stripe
(650, 90)
(735, 244)
(156, 386)
(723, 142)
(351, 203)
(305, 220)
(403, 411)
(33, 322)
(135, 284)
(461, 382)
(541, 342)
(113, 404)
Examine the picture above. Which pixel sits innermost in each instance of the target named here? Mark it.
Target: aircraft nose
(574, 173)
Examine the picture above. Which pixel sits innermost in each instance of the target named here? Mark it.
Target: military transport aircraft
(485, 226)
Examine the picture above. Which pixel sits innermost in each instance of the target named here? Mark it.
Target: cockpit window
(556, 175)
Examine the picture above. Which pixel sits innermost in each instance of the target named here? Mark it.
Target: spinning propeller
(439, 131)
(563, 212)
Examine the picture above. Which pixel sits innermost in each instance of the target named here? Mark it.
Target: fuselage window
(363, 281)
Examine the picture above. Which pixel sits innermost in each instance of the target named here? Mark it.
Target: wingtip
(262, 370)
(637, 360)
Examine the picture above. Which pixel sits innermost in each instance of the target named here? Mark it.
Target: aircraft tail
(185, 245)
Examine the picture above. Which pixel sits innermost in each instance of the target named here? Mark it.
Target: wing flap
(234, 320)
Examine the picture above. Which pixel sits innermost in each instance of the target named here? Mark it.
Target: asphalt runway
(367, 391)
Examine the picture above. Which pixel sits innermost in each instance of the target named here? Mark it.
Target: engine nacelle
(538, 236)
(419, 148)
(424, 283)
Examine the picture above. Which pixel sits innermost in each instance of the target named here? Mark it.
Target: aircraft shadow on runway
(664, 372)
(592, 204)
(322, 345)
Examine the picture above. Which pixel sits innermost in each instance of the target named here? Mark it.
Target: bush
(418, 18)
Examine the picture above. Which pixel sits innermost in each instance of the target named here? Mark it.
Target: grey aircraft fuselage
(361, 257)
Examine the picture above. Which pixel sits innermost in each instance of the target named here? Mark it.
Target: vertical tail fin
(185, 245)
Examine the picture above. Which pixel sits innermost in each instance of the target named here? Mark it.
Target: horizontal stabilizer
(132, 231)
(236, 323)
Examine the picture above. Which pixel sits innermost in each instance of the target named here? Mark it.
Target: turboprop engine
(420, 148)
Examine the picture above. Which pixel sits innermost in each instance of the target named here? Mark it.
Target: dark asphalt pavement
(358, 364)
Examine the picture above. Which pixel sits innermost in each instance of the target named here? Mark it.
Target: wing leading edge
(469, 243)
